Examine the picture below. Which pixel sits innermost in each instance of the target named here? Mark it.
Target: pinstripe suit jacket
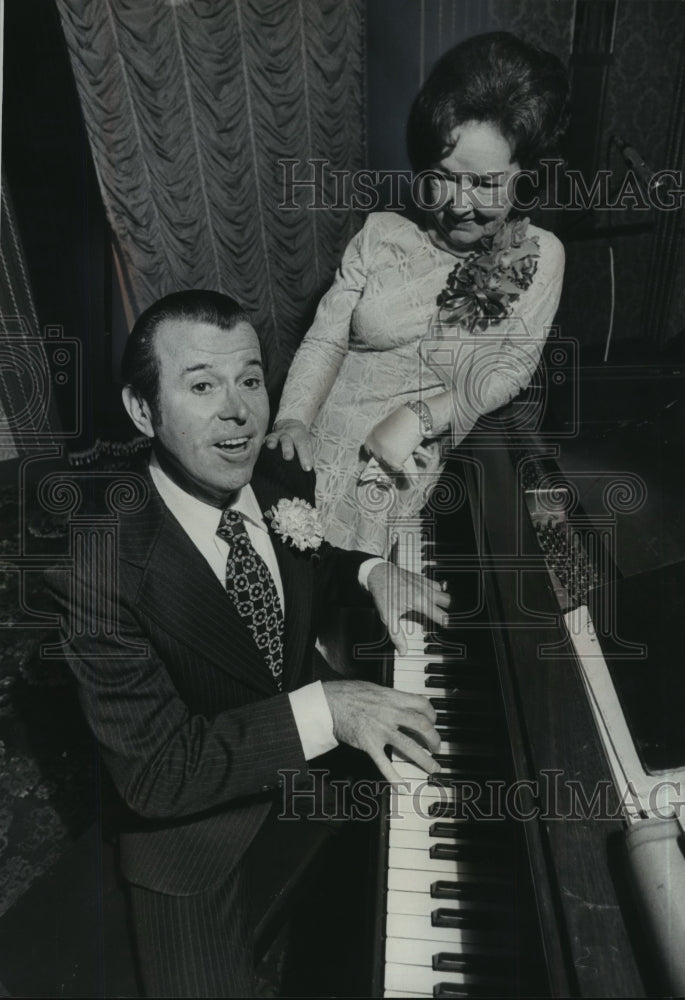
(194, 730)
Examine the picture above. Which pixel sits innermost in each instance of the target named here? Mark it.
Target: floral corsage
(297, 522)
(482, 287)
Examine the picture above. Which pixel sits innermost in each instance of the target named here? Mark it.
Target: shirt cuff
(365, 569)
(313, 720)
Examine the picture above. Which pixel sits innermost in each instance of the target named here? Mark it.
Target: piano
(506, 874)
(458, 919)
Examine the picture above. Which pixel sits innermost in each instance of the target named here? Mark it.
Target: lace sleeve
(317, 362)
(488, 369)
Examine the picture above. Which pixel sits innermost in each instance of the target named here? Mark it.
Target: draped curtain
(189, 106)
(28, 418)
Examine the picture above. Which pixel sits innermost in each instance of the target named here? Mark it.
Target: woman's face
(472, 189)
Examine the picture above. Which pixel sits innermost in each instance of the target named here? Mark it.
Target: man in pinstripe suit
(192, 724)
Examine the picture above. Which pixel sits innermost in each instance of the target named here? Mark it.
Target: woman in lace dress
(416, 339)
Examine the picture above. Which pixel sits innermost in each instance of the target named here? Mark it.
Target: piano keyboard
(451, 918)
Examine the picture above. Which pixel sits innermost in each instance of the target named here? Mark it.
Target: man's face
(213, 406)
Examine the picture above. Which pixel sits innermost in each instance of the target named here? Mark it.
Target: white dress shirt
(200, 520)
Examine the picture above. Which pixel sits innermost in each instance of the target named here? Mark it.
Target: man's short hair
(140, 366)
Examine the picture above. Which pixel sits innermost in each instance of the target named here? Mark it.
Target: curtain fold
(189, 106)
(28, 415)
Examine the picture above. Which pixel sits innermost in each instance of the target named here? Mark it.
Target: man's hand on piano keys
(397, 592)
(371, 718)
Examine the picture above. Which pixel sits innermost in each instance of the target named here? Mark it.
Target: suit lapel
(182, 594)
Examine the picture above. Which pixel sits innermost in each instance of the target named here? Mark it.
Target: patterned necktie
(253, 591)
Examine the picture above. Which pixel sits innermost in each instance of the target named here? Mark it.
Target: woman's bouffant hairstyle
(139, 365)
(496, 78)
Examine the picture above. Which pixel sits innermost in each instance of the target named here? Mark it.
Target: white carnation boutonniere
(297, 522)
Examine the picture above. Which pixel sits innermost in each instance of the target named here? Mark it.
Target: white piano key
(470, 749)
(417, 685)
(416, 978)
(416, 657)
(410, 880)
(408, 952)
(418, 882)
(418, 951)
(405, 994)
(416, 635)
(419, 928)
(406, 769)
(409, 674)
(422, 904)
(422, 979)
(419, 904)
(416, 661)
(416, 632)
(397, 755)
(412, 821)
(411, 787)
(408, 817)
(418, 840)
(419, 798)
(406, 857)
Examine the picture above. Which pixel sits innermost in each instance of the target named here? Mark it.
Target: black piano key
(455, 761)
(472, 965)
(476, 639)
(452, 779)
(480, 715)
(452, 660)
(465, 851)
(480, 830)
(477, 721)
(450, 668)
(459, 807)
(459, 654)
(462, 680)
(456, 688)
(445, 705)
(477, 990)
(473, 767)
(439, 668)
(456, 651)
(480, 892)
(454, 703)
(471, 919)
(447, 810)
(464, 735)
(448, 648)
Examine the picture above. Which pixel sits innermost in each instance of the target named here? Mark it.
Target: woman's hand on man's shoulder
(294, 438)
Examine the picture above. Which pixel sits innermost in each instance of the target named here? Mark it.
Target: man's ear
(138, 410)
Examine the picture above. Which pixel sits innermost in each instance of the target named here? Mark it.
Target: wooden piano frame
(585, 913)
(588, 923)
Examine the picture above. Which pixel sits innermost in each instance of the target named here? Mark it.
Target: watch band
(424, 414)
